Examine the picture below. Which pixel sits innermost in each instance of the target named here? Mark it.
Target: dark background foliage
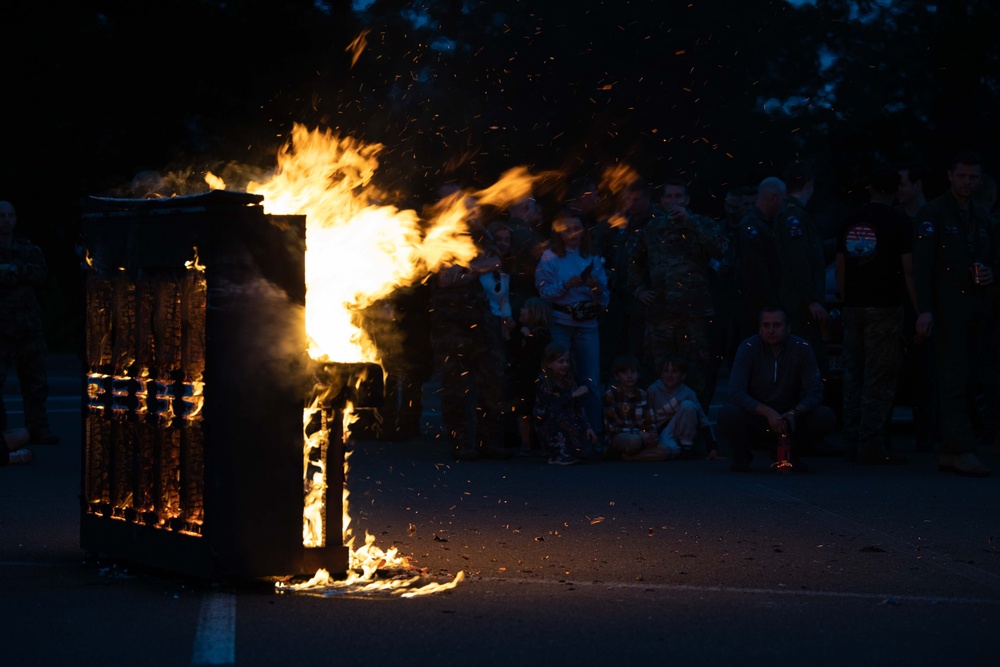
(718, 93)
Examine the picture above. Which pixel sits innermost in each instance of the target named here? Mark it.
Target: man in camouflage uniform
(22, 339)
(954, 255)
(622, 327)
(874, 276)
(470, 354)
(803, 264)
(670, 276)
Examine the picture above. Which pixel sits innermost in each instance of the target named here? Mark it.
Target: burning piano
(212, 443)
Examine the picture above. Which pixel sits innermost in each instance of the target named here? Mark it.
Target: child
(676, 410)
(559, 415)
(628, 425)
(524, 350)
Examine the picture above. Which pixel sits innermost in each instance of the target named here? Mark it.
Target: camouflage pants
(689, 337)
(472, 386)
(27, 355)
(871, 358)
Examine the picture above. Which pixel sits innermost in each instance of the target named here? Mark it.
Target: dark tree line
(720, 93)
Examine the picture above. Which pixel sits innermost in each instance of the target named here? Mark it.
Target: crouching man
(775, 391)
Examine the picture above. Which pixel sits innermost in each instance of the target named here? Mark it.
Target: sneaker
(967, 465)
(44, 436)
(19, 456)
(563, 460)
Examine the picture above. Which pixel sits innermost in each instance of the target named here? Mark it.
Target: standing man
(954, 253)
(874, 277)
(917, 375)
(758, 272)
(722, 281)
(468, 350)
(803, 265)
(623, 326)
(775, 391)
(670, 276)
(22, 338)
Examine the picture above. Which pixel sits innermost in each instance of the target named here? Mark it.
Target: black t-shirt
(872, 242)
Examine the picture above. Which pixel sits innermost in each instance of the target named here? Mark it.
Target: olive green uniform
(949, 241)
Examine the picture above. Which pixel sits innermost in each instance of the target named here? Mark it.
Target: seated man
(775, 390)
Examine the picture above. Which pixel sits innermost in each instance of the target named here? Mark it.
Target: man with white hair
(758, 271)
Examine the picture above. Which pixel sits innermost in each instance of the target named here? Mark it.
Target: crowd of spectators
(632, 285)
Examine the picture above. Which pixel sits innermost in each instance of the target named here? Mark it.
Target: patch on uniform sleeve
(794, 227)
(926, 228)
(750, 232)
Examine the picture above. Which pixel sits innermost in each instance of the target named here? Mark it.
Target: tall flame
(358, 251)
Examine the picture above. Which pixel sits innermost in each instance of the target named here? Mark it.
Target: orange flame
(357, 45)
(616, 177)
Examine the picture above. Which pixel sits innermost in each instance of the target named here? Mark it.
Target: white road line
(743, 590)
(215, 639)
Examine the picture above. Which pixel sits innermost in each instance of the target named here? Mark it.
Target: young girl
(525, 349)
(559, 415)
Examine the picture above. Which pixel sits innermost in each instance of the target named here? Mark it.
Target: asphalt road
(596, 564)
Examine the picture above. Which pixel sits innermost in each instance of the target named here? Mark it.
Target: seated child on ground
(676, 411)
(560, 421)
(628, 425)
